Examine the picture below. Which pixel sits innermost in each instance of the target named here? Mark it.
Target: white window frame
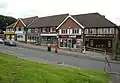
(29, 31)
(52, 29)
(75, 31)
(86, 31)
(64, 31)
(36, 30)
(44, 29)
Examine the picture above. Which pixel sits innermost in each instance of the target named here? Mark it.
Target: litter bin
(49, 47)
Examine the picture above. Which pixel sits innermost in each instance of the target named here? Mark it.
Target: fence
(96, 50)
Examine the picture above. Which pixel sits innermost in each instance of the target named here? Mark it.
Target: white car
(1, 41)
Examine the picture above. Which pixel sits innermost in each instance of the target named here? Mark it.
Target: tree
(5, 21)
(117, 51)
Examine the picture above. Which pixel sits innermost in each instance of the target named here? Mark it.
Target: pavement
(86, 55)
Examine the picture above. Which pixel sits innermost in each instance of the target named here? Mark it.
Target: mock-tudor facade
(99, 32)
(17, 30)
(10, 32)
(70, 34)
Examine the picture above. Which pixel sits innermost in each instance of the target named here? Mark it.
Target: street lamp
(69, 40)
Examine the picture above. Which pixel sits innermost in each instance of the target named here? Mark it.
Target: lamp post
(70, 40)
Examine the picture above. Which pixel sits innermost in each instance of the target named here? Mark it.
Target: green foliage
(5, 21)
(15, 70)
(117, 51)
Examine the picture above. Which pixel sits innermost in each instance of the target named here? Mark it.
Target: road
(53, 58)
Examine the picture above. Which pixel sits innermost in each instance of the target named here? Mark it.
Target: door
(69, 43)
(63, 42)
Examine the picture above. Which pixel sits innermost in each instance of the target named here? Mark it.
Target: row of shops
(67, 31)
(63, 41)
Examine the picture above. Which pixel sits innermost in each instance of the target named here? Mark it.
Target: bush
(117, 57)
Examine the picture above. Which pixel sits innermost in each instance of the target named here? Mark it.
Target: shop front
(48, 40)
(10, 35)
(20, 35)
(70, 41)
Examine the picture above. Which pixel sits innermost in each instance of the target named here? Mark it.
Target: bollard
(84, 50)
(49, 47)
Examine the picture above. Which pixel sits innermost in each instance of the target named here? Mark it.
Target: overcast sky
(26, 8)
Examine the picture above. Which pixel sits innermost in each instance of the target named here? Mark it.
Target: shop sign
(9, 33)
(72, 36)
(63, 36)
(19, 32)
(100, 35)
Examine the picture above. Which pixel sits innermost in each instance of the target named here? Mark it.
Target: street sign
(72, 36)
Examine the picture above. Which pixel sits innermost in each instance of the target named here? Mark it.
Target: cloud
(3, 5)
(25, 8)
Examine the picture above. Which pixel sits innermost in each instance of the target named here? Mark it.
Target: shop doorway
(69, 43)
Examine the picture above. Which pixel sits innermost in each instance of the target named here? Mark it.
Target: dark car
(9, 43)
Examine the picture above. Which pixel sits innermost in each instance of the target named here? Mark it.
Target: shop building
(70, 34)
(10, 32)
(99, 32)
(20, 28)
(43, 30)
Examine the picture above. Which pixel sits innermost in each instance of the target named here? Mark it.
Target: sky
(41, 8)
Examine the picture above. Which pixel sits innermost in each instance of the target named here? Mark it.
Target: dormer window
(53, 29)
(44, 30)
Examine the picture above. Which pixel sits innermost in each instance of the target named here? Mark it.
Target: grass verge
(16, 70)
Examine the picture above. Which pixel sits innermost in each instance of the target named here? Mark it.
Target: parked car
(1, 41)
(9, 43)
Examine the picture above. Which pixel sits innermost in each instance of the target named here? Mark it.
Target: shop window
(109, 44)
(91, 42)
(20, 36)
